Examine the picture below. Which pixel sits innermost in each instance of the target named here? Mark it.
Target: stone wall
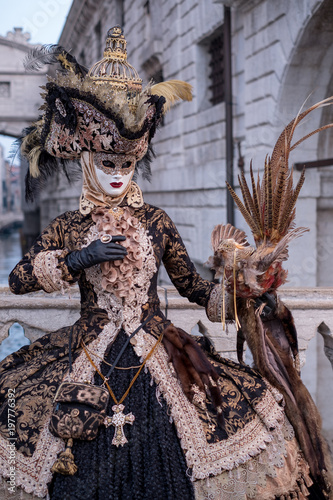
(19, 90)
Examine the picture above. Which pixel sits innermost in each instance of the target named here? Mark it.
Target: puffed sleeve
(44, 267)
(188, 282)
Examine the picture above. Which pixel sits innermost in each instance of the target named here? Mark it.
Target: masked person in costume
(123, 404)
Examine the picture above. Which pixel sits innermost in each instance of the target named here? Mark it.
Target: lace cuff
(214, 308)
(52, 272)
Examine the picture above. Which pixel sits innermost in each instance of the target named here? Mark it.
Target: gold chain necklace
(119, 419)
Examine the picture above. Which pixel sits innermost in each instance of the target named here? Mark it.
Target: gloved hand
(95, 253)
(266, 303)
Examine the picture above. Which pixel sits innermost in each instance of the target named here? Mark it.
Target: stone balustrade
(312, 308)
(40, 313)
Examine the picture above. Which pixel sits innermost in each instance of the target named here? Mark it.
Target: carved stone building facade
(19, 89)
(281, 53)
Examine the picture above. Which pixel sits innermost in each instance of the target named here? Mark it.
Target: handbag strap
(126, 344)
(119, 354)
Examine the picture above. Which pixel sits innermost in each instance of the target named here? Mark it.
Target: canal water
(10, 254)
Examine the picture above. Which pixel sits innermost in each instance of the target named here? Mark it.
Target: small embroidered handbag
(79, 410)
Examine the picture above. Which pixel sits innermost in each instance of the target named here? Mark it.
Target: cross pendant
(118, 420)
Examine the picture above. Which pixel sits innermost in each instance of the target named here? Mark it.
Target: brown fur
(274, 362)
(288, 324)
(240, 346)
(192, 366)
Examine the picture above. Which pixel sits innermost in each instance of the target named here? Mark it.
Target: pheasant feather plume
(268, 207)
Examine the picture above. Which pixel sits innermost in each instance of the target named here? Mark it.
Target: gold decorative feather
(172, 91)
(247, 215)
(31, 147)
(245, 193)
(289, 209)
(268, 197)
(33, 157)
(280, 189)
(257, 212)
(65, 63)
(250, 205)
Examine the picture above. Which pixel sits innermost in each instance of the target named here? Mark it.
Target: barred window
(157, 77)
(4, 89)
(216, 65)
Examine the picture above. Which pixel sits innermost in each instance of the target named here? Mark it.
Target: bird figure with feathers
(268, 208)
(252, 274)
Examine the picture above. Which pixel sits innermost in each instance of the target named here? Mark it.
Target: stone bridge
(10, 219)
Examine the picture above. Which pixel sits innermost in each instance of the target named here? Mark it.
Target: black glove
(267, 303)
(95, 253)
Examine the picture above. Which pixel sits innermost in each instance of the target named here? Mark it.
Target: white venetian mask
(114, 172)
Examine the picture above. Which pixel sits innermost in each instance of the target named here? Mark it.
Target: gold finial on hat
(114, 69)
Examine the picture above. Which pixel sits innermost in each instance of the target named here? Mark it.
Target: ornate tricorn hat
(104, 109)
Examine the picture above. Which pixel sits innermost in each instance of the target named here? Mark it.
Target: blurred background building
(19, 103)
(281, 53)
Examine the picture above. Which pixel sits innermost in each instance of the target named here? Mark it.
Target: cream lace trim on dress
(33, 473)
(46, 270)
(260, 478)
(19, 494)
(258, 462)
(205, 458)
